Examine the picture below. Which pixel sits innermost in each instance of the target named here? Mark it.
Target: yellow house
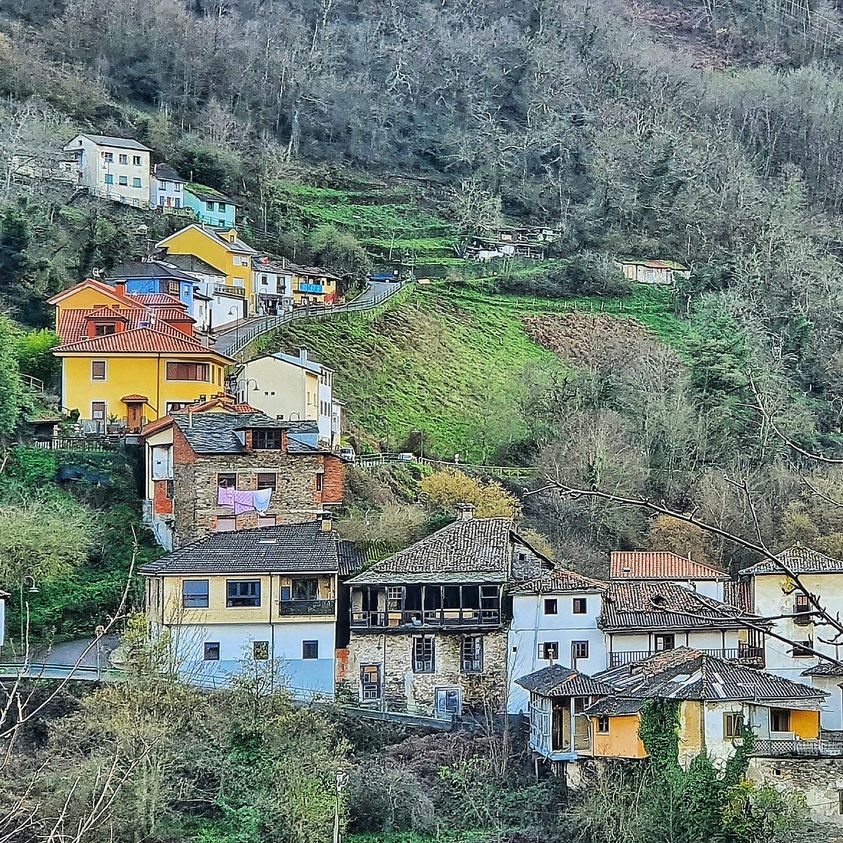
(128, 359)
(312, 285)
(221, 249)
(264, 595)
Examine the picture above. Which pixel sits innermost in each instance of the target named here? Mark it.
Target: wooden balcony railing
(753, 656)
(421, 618)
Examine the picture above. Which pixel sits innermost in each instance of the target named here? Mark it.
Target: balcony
(306, 608)
(750, 656)
(796, 748)
(227, 290)
(317, 289)
(425, 619)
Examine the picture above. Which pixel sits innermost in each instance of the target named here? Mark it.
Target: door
(134, 416)
(558, 721)
(370, 682)
(98, 414)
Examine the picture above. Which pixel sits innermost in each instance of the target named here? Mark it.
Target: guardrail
(41, 670)
(374, 460)
(244, 338)
(33, 383)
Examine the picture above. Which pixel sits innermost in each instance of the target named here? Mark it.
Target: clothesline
(244, 501)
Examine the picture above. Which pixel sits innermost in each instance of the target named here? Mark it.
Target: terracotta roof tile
(157, 300)
(139, 340)
(658, 565)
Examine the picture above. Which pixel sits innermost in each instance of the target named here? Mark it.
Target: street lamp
(232, 311)
(33, 589)
(246, 393)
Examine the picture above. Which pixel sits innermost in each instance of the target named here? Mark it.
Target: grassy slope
(450, 361)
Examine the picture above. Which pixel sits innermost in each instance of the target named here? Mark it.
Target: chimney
(465, 511)
(326, 522)
(303, 355)
(120, 287)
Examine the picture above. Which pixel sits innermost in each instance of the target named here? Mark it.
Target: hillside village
(244, 457)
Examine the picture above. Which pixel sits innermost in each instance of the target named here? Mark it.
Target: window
(732, 724)
(580, 606)
(266, 440)
(136, 182)
(209, 206)
(123, 181)
(551, 606)
(242, 593)
(579, 650)
(260, 650)
(162, 186)
(472, 654)
(169, 489)
(227, 481)
(136, 161)
(448, 701)
(103, 329)
(802, 606)
(264, 280)
(603, 724)
(109, 179)
(173, 288)
(97, 370)
(310, 649)
(268, 480)
(177, 189)
(320, 481)
(779, 720)
(212, 651)
(108, 156)
(194, 594)
(802, 649)
(304, 589)
(664, 642)
(123, 159)
(423, 654)
(187, 371)
(221, 207)
(549, 650)
(840, 801)
(98, 410)
(370, 682)
(226, 525)
(394, 597)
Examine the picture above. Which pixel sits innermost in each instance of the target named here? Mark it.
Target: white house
(292, 387)
(265, 596)
(112, 168)
(774, 593)
(167, 189)
(554, 621)
(662, 566)
(221, 303)
(273, 285)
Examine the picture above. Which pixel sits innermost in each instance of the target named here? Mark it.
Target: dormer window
(266, 440)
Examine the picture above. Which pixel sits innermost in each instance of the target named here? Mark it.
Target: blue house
(156, 277)
(210, 206)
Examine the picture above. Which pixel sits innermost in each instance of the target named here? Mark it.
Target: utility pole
(342, 783)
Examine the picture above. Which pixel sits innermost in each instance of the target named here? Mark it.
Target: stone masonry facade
(297, 497)
(406, 690)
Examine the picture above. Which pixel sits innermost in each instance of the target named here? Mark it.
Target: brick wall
(403, 688)
(162, 505)
(333, 480)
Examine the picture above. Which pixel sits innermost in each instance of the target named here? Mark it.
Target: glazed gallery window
(194, 594)
(242, 593)
(187, 371)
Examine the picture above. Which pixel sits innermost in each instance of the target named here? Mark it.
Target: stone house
(221, 467)
(428, 625)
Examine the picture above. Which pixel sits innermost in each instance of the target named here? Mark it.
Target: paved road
(69, 652)
(228, 334)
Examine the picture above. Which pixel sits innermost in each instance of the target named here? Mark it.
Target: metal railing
(78, 443)
(745, 655)
(421, 618)
(374, 460)
(819, 748)
(307, 607)
(263, 325)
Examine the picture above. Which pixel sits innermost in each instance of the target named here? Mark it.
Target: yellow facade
(691, 728)
(621, 741)
(301, 296)
(130, 374)
(236, 264)
(805, 724)
(170, 611)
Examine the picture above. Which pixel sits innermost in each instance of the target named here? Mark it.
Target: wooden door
(134, 416)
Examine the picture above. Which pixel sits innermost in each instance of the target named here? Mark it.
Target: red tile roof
(99, 286)
(135, 397)
(659, 565)
(157, 299)
(72, 323)
(140, 340)
(106, 311)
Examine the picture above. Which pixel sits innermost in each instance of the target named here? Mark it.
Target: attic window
(657, 600)
(266, 440)
(102, 329)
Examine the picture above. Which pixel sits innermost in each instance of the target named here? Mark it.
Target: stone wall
(820, 779)
(407, 690)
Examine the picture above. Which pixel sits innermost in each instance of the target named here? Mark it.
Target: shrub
(443, 490)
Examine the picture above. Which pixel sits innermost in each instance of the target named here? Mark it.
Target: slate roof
(645, 605)
(312, 271)
(352, 557)
(475, 550)
(614, 707)
(165, 172)
(284, 548)
(557, 581)
(659, 565)
(560, 681)
(148, 269)
(688, 674)
(237, 245)
(799, 560)
(107, 140)
(190, 263)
